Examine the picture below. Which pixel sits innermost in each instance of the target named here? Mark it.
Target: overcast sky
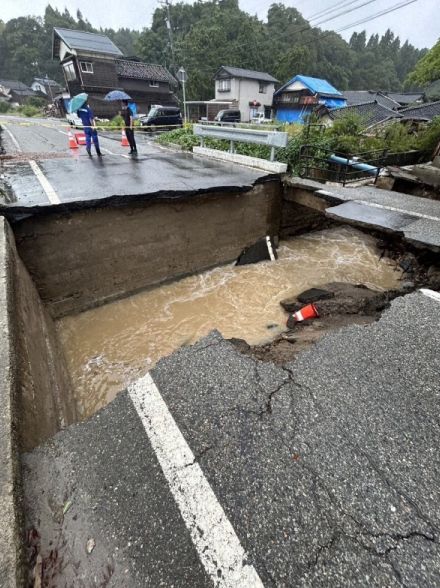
(418, 22)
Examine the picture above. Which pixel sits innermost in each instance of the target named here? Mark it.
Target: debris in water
(90, 545)
(307, 312)
(262, 250)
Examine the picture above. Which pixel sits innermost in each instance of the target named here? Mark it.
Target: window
(154, 84)
(86, 66)
(224, 85)
(262, 88)
(69, 71)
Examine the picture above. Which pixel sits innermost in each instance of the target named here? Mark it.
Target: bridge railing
(272, 139)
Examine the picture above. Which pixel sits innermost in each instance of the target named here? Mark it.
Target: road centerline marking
(212, 534)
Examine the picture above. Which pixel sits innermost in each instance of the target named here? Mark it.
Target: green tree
(427, 69)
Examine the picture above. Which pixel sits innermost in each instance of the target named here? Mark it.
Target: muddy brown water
(111, 346)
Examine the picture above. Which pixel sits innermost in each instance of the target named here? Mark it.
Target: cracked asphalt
(328, 468)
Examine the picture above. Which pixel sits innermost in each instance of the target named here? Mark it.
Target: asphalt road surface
(218, 470)
(46, 172)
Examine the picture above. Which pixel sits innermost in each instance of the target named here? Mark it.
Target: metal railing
(272, 139)
(325, 164)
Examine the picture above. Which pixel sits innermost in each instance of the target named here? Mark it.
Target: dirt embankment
(340, 304)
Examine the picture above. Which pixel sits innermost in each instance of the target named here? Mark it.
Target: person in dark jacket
(127, 115)
(85, 113)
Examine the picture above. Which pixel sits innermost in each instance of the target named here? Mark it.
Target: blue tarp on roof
(315, 85)
(334, 102)
(291, 115)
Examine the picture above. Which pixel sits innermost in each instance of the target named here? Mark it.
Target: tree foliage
(427, 69)
(211, 33)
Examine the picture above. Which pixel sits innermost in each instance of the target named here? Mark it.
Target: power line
(330, 9)
(378, 14)
(364, 20)
(344, 12)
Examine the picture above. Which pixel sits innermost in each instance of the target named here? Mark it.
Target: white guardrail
(272, 139)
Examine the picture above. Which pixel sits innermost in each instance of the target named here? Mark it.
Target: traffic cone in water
(124, 141)
(307, 312)
(72, 141)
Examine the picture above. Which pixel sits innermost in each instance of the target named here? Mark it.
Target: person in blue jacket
(85, 113)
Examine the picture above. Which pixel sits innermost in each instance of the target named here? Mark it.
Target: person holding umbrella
(127, 115)
(85, 113)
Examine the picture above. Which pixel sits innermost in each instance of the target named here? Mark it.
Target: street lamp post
(182, 77)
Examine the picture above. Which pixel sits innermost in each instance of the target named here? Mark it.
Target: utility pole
(167, 4)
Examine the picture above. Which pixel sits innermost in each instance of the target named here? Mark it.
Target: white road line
(431, 294)
(13, 139)
(218, 546)
(394, 209)
(45, 184)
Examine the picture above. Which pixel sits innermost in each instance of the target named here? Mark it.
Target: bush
(4, 107)
(429, 137)
(36, 101)
(29, 111)
(183, 137)
(117, 122)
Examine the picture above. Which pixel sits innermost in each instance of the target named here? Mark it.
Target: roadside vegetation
(345, 137)
(33, 107)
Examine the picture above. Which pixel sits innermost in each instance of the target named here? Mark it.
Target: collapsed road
(213, 468)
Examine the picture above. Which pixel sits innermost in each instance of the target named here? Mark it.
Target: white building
(46, 86)
(251, 91)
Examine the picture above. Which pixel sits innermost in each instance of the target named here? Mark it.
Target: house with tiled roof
(302, 95)
(371, 114)
(14, 91)
(406, 98)
(50, 88)
(250, 91)
(363, 96)
(422, 112)
(92, 63)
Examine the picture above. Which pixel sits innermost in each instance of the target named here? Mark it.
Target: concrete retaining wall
(87, 257)
(10, 519)
(301, 212)
(35, 394)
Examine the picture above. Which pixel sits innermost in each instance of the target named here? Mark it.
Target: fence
(327, 165)
(272, 139)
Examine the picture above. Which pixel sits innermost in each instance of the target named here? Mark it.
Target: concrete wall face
(96, 255)
(10, 537)
(45, 397)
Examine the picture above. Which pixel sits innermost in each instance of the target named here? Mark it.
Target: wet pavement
(327, 470)
(78, 178)
(414, 218)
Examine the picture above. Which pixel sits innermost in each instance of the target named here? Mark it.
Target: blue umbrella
(116, 95)
(77, 101)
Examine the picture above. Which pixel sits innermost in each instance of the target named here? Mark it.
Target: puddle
(108, 347)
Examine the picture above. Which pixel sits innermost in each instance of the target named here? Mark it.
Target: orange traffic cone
(72, 142)
(124, 141)
(307, 312)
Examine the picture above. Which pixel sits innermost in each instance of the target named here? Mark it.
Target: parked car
(161, 118)
(230, 115)
(260, 119)
(74, 120)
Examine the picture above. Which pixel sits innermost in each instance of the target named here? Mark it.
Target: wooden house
(93, 64)
(300, 96)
